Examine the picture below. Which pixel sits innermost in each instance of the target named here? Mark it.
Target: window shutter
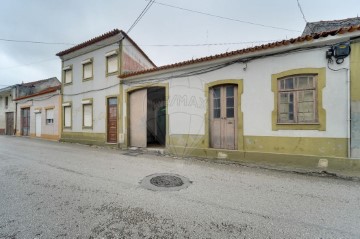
(50, 114)
(87, 70)
(112, 62)
(67, 112)
(87, 115)
(67, 76)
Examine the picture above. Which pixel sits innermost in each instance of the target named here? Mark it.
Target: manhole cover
(165, 182)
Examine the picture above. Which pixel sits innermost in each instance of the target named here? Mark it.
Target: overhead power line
(28, 64)
(302, 13)
(141, 15)
(155, 45)
(225, 18)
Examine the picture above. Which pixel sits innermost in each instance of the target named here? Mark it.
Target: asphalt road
(59, 190)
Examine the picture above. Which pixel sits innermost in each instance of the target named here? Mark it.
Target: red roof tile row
(46, 91)
(103, 37)
(247, 50)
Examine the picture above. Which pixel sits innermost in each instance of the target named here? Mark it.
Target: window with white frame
(297, 102)
(87, 69)
(87, 115)
(112, 62)
(67, 116)
(67, 72)
(49, 116)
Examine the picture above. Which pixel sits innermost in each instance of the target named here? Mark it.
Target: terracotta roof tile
(45, 91)
(299, 39)
(89, 42)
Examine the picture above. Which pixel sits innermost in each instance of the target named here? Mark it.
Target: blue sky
(75, 21)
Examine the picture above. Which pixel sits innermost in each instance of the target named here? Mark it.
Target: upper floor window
(87, 69)
(112, 62)
(297, 102)
(6, 102)
(67, 74)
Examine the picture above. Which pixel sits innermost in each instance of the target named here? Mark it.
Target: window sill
(66, 84)
(112, 73)
(88, 79)
(302, 126)
(87, 127)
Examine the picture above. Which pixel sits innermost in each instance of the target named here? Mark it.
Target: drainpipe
(348, 110)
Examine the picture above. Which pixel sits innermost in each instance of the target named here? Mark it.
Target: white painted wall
(3, 110)
(42, 101)
(187, 103)
(100, 81)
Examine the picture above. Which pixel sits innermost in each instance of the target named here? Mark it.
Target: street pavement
(62, 190)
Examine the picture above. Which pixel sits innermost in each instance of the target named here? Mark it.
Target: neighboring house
(325, 26)
(38, 109)
(282, 101)
(7, 111)
(90, 87)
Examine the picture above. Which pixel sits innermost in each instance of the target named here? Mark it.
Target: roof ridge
(296, 40)
(89, 42)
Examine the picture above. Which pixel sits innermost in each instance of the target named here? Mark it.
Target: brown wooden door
(25, 121)
(9, 123)
(112, 120)
(223, 117)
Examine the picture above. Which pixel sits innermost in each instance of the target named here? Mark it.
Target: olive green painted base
(84, 138)
(322, 147)
(290, 152)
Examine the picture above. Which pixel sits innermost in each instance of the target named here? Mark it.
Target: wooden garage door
(25, 121)
(138, 117)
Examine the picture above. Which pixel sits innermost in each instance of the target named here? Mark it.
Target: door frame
(36, 127)
(22, 109)
(117, 117)
(240, 124)
(7, 123)
(127, 102)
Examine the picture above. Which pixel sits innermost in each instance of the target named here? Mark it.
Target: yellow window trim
(321, 82)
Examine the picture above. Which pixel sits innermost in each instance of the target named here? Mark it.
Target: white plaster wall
(100, 81)
(3, 110)
(42, 102)
(187, 103)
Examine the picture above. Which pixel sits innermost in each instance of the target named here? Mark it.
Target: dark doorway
(9, 123)
(147, 113)
(25, 121)
(156, 116)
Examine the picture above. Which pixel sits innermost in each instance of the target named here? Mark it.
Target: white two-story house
(91, 87)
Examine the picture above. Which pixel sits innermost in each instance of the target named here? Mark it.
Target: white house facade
(90, 86)
(284, 102)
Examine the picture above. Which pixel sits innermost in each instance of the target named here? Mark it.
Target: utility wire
(154, 45)
(141, 15)
(225, 18)
(28, 64)
(302, 12)
(303, 15)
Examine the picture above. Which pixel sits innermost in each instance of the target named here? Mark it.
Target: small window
(297, 99)
(6, 102)
(67, 116)
(87, 115)
(49, 116)
(112, 63)
(67, 74)
(87, 69)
